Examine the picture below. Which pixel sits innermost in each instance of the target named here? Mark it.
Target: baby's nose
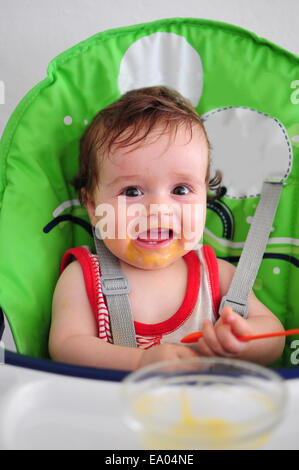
(162, 215)
(159, 208)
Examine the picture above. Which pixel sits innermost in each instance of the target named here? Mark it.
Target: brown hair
(129, 121)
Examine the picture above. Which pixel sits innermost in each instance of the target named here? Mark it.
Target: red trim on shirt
(213, 274)
(90, 278)
(186, 308)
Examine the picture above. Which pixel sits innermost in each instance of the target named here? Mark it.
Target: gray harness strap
(115, 287)
(254, 248)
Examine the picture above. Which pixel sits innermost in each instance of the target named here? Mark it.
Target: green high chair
(247, 91)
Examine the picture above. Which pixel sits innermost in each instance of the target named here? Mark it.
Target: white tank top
(201, 299)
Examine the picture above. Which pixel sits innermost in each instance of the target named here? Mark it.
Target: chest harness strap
(115, 287)
(254, 248)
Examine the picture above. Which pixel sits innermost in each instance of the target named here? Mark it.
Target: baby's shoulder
(71, 275)
(72, 264)
(226, 272)
(70, 293)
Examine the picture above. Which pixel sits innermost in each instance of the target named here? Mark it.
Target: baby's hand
(165, 352)
(220, 340)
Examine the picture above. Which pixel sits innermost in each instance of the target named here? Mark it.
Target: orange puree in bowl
(191, 432)
(215, 429)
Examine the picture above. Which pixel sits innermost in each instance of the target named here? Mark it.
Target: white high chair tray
(40, 410)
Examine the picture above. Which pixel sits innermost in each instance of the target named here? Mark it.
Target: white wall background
(32, 32)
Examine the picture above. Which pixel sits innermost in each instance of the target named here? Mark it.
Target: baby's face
(151, 199)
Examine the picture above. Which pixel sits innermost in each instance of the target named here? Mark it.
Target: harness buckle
(237, 305)
(110, 288)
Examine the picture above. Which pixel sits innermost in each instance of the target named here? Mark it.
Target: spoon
(193, 337)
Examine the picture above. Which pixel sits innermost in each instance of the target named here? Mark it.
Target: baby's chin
(149, 266)
(148, 258)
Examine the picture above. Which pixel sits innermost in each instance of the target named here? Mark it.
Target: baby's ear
(89, 204)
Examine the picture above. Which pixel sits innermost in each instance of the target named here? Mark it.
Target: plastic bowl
(204, 403)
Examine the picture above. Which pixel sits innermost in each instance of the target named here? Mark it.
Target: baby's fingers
(204, 349)
(209, 344)
(229, 342)
(238, 325)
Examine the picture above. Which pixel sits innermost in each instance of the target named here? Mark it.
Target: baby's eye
(132, 191)
(181, 190)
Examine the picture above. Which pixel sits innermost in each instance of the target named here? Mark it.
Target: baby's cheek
(193, 222)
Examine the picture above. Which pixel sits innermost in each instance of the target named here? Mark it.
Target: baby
(148, 153)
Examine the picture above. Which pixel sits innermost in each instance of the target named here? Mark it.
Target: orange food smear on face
(154, 258)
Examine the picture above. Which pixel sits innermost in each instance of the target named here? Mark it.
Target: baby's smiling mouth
(156, 237)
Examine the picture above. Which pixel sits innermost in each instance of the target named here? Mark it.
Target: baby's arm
(221, 339)
(74, 332)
